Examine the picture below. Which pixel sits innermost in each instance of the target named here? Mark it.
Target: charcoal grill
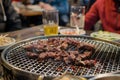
(17, 66)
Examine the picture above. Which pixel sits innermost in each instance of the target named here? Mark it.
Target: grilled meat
(32, 55)
(68, 50)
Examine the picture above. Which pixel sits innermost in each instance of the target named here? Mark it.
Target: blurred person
(20, 6)
(9, 20)
(108, 11)
(61, 5)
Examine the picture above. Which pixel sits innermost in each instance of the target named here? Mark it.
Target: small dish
(7, 41)
(72, 31)
(106, 35)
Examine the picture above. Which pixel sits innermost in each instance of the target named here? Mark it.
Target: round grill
(106, 54)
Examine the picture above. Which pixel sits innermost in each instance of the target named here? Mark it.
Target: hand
(41, 4)
(17, 9)
(46, 6)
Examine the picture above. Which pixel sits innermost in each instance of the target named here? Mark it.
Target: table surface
(26, 10)
(30, 32)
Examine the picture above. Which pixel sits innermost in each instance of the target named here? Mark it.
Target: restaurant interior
(59, 40)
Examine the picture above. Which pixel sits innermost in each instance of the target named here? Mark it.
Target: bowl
(6, 41)
(106, 35)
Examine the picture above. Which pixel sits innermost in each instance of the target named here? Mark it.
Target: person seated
(21, 7)
(9, 20)
(61, 5)
(108, 12)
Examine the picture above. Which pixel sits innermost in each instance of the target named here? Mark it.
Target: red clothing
(105, 11)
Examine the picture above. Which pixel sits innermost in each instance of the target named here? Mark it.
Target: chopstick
(77, 29)
(3, 35)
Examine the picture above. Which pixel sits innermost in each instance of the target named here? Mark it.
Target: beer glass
(77, 16)
(50, 22)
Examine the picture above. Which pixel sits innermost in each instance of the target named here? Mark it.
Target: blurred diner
(108, 12)
(104, 12)
(61, 5)
(27, 12)
(9, 19)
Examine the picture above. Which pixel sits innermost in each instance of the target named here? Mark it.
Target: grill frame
(17, 71)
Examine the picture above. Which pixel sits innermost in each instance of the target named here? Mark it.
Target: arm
(62, 6)
(13, 19)
(91, 17)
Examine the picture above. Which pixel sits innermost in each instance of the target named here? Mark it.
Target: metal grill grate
(106, 54)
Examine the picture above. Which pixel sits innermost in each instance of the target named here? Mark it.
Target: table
(30, 32)
(28, 12)
(38, 31)
(24, 10)
(26, 33)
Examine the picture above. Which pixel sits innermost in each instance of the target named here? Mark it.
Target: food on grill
(67, 50)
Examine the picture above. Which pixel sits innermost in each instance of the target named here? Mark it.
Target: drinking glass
(77, 16)
(50, 22)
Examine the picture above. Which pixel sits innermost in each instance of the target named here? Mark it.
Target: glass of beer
(50, 22)
(77, 16)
